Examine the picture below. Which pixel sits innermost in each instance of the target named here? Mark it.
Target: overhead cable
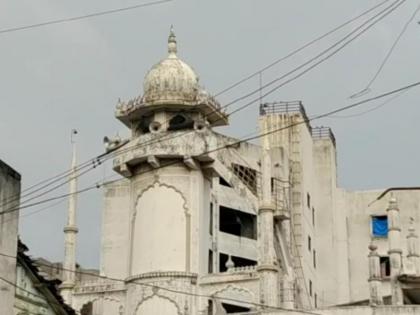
(81, 17)
(388, 55)
(294, 52)
(109, 155)
(234, 143)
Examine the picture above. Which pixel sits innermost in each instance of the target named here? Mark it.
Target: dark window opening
(210, 262)
(314, 258)
(232, 309)
(380, 226)
(385, 266)
(237, 223)
(310, 287)
(211, 219)
(315, 300)
(247, 175)
(210, 308)
(237, 262)
(179, 122)
(308, 200)
(224, 182)
(144, 124)
(309, 243)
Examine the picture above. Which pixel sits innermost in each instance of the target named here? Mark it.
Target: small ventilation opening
(237, 223)
(237, 262)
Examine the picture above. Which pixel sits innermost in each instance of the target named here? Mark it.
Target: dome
(171, 81)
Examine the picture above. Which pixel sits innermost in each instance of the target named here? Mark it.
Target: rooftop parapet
(323, 133)
(285, 108)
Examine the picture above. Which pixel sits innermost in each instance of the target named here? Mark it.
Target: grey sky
(59, 77)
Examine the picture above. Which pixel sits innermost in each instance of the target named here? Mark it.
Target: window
(385, 266)
(309, 243)
(380, 226)
(313, 216)
(310, 287)
(238, 223)
(210, 261)
(314, 258)
(211, 219)
(308, 200)
(210, 308)
(315, 300)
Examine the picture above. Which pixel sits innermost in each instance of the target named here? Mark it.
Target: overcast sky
(65, 76)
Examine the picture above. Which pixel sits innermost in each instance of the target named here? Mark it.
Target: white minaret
(70, 232)
(267, 267)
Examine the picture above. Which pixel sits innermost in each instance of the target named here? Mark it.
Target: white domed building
(204, 224)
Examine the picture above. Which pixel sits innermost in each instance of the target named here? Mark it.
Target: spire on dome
(172, 49)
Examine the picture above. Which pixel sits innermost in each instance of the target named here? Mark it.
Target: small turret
(395, 251)
(374, 276)
(412, 245)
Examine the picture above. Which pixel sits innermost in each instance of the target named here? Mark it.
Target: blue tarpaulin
(380, 226)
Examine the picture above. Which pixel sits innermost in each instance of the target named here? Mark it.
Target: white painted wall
(159, 235)
(115, 230)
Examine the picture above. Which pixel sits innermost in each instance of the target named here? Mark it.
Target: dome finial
(172, 49)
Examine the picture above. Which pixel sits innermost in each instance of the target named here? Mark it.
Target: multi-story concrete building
(201, 223)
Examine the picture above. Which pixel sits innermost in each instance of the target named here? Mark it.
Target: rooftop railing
(290, 107)
(323, 133)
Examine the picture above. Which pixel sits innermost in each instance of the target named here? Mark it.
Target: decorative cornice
(162, 274)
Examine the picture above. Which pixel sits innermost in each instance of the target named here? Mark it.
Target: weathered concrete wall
(360, 232)
(115, 230)
(30, 300)
(325, 178)
(9, 203)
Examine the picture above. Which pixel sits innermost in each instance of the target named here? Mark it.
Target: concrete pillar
(413, 249)
(395, 251)
(375, 282)
(267, 268)
(70, 233)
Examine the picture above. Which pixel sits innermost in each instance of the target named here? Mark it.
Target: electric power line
(386, 11)
(235, 143)
(380, 16)
(294, 52)
(388, 55)
(81, 17)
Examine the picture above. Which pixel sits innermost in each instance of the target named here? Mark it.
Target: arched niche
(160, 231)
(157, 305)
